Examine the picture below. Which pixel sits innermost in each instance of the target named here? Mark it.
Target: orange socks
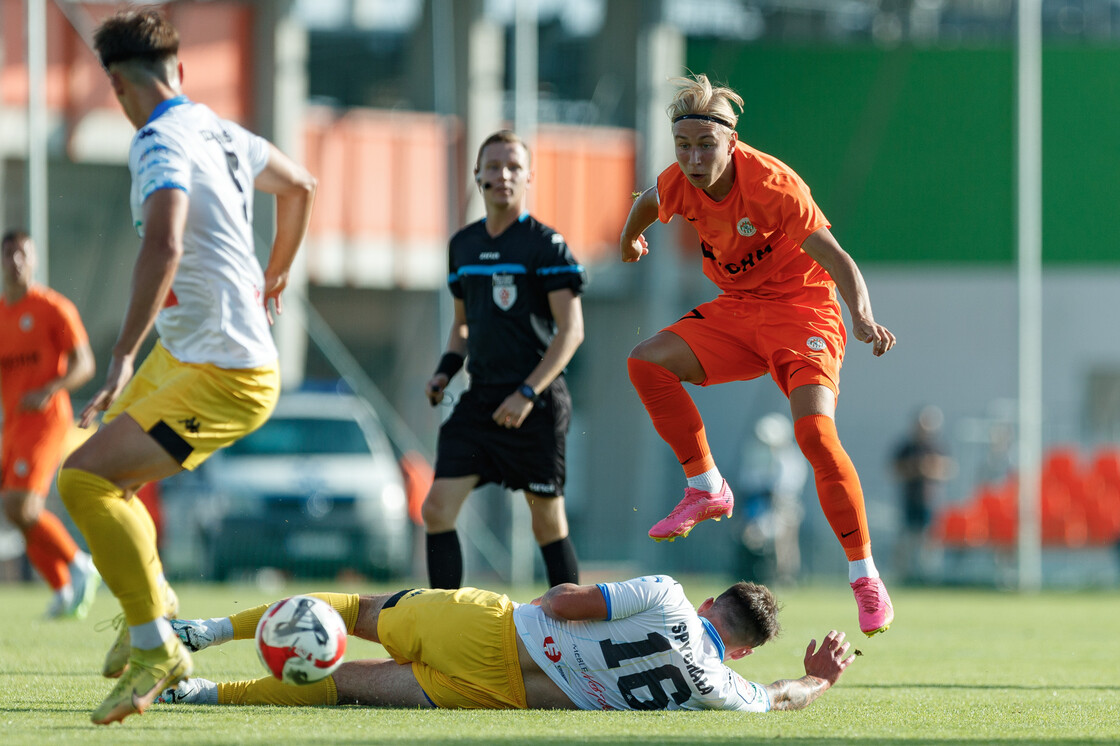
(838, 485)
(50, 549)
(673, 413)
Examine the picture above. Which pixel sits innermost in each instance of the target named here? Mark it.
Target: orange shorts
(30, 453)
(738, 337)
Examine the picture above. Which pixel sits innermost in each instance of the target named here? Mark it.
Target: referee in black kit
(518, 321)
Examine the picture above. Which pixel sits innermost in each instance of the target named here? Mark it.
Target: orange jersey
(37, 334)
(751, 239)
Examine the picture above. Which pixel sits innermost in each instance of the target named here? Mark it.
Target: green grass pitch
(958, 667)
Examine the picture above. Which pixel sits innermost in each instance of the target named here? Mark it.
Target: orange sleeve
(786, 204)
(69, 333)
(670, 195)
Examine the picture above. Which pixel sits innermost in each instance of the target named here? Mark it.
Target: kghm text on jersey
(734, 268)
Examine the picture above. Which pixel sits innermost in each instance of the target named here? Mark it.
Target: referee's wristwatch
(527, 391)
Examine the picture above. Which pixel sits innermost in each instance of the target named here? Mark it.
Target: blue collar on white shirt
(711, 630)
(165, 105)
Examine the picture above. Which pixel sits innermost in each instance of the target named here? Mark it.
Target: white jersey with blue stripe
(215, 312)
(654, 652)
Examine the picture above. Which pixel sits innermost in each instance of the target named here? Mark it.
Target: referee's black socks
(560, 562)
(445, 560)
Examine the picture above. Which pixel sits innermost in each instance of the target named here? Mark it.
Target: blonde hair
(696, 97)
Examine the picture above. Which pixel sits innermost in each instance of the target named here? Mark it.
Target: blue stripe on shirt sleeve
(606, 597)
(566, 269)
(165, 185)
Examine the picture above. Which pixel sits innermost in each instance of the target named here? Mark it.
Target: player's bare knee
(21, 508)
(369, 610)
(438, 515)
(647, 350)
(549, 521)
(79, 459)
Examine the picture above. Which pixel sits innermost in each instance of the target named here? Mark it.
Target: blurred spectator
(999, 459)
(772, 474)
(921, 467)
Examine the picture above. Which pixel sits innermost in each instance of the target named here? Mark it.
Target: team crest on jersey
(815, 343)
(26, 322)
(505, 291)
(21, 468)
(746, 227)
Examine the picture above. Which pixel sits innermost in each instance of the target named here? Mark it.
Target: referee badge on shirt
(505, 291)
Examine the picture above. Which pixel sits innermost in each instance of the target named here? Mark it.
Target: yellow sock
(120, 543)
(269, 691)
(137, 506)
(140, 510)
(346, 604)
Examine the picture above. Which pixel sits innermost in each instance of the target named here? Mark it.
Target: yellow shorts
(462, 645)
(193, 409)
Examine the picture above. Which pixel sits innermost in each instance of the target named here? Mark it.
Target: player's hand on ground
(513, 411)
(118, 375)
(434, 389)
(828, 661)
(879, 336)
(634, 250)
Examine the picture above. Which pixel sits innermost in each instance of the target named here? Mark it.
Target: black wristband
(449, 364)
(527, 391)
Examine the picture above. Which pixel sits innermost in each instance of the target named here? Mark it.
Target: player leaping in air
(767, 246)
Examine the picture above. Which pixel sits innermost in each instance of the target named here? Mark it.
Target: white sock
(709, 481)
(81, 562)
(864, 568)
(220, 627)
(205, 692)
(150, 635)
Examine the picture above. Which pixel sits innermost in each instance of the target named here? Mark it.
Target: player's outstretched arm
(642, 215)
(826, 251)
(161, 248)
(571, 602)
(823, 667)
(294, 188)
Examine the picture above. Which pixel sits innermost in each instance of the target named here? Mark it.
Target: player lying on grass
(633, 645)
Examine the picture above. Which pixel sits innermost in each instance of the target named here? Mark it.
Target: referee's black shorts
(529, 458)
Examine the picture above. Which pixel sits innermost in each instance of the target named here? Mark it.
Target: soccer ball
(301, 640)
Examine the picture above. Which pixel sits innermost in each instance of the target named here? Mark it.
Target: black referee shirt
(504, 282)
